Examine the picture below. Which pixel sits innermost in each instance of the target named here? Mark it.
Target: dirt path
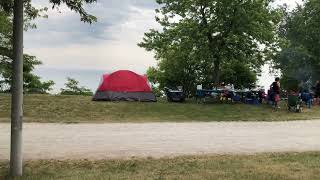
(100, 141)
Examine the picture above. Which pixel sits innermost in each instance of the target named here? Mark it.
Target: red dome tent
(124, 85)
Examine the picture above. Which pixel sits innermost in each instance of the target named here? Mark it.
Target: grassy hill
(76, 109)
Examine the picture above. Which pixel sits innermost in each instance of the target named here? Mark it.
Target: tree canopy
(199, 38)
(32, 82)
(299, 59)
(72, 88)
(31, 12)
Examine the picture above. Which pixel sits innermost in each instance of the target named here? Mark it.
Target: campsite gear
(307, 98)
(252, 101)
(227, 95)
(236, 98)
(294, 103)
(201, 94)
(124, 85)
(252, 98)
(175, 95)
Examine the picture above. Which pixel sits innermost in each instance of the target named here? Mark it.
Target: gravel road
(103, 141)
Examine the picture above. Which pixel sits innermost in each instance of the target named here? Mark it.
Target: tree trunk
(216, 72)
(216, 61)
(17, 91)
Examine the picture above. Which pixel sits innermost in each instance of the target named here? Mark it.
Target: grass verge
(77, 109)
(261, 166)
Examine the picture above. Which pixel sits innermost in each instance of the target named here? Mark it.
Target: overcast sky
(68, 47)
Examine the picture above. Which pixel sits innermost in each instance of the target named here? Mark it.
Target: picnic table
(207, 92)
(202, 94)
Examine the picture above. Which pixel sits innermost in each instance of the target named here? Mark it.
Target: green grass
(76, 109)
(302, 166)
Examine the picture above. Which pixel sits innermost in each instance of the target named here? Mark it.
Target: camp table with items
(202, 94)
(245, 96)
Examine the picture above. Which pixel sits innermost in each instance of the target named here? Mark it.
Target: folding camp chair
(294, 103)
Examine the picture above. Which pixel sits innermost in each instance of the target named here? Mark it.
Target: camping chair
(236, 98)
(200, 95)
(294, 103)
(307, 99)
(228, 96)
(251, 98)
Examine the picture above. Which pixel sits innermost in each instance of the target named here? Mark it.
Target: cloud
(62, 29)
(62, 41)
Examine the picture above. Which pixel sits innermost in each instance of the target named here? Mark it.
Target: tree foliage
(199, 38)
(72, 88)
(236, 73)
(31, 12)
(239, 74)
(299, 59)
(32, 83)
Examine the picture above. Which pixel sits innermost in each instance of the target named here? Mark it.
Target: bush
(72, 88)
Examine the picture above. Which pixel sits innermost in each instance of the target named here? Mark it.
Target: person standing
(275, 86)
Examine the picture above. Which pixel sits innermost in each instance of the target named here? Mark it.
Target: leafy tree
(6, 18)
(32, 12)
(296, 67)
(172, 74)
(201, 37)
(152, 74)
(37, 86)
(73, 88)
(299, 59)
(239, 74)
(32, 83)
